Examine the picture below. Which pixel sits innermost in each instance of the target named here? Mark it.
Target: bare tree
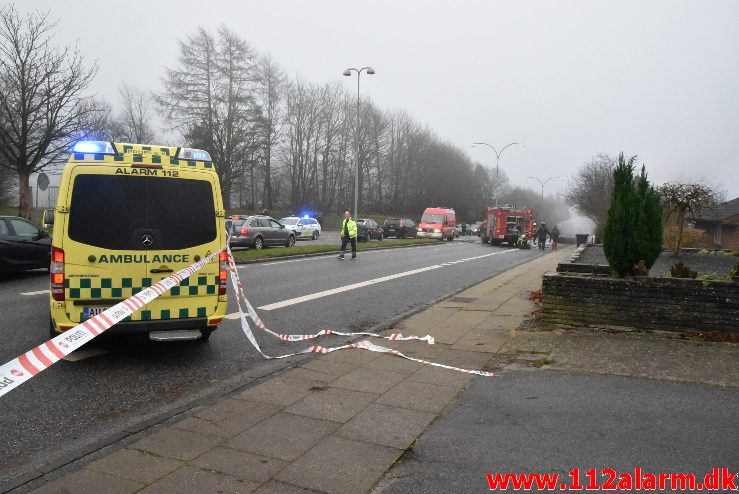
(680, 199)
(590, 190)
(209, 99)
(43, 108)
(269, 94)
(136, 115)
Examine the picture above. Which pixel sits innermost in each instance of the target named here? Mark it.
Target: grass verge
(298, 250)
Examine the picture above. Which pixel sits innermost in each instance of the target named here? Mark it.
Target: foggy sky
(570, 79)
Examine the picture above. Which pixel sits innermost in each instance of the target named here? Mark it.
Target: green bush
(680, 270)
(632, 237)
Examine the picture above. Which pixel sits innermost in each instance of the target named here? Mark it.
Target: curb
(325, 253)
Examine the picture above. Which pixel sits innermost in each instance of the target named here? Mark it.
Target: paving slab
(273, 487)
(340, 466)
(89, 481)
(239, 464)
(135, 465)
(419, 396)
(332, 367)
(195, 480)
(233, 424)
(392, 363)
(387, 426)
(283, 436)
(335, 404)
(368, 380)
(282, 390)
(177, 444)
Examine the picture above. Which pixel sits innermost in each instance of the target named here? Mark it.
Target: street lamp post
(544, 183)
(497, 160)
(348, 73)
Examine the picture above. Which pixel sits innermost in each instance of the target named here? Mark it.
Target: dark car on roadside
(367, 229)
(400, 228)
(23, 245)
(259, 231)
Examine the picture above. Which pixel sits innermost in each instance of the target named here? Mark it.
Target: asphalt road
(551, 423)
(120, 385)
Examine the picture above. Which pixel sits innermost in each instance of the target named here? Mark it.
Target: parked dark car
(23, 245)
(259, 231)
(400, 228)
(367, 229)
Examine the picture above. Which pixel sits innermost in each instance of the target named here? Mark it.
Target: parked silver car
(259, 231)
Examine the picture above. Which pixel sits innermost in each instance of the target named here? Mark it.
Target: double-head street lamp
(348, 73)
(545, 182)
(497, 160)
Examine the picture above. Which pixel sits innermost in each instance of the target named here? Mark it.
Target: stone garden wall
(673, 304)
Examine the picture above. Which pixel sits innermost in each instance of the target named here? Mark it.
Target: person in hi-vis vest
(348, 234)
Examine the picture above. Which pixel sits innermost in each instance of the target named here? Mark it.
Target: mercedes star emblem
(147, 240)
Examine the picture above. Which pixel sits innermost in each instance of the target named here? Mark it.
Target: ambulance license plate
(89, 312)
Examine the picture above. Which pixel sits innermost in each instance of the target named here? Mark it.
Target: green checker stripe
(108, 288)
(146, 159)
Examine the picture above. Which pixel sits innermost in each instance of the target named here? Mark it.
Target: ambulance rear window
(114, 212)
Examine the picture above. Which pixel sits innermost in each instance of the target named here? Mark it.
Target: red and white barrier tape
(364, 345)
(27, 365)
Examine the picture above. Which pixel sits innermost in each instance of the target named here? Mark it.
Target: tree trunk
(24, 201)
(680, 220)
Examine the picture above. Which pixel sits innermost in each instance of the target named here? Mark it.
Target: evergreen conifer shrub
(633, 231)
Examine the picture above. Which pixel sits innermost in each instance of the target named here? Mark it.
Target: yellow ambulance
(128, 215)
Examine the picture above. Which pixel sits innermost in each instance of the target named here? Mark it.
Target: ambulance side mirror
(47, 219)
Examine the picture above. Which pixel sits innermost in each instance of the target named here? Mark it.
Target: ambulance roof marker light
(93, 147)
(191, 154)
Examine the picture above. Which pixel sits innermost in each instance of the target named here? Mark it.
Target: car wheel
(290, 241)
(315, 235)
(402, 234)
(380, 239)
(368, 237)
(258, 243)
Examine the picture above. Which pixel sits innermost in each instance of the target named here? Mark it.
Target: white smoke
(575, 224)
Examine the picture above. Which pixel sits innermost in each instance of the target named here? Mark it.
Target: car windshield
(289, 221)
(392, 222)
(432, 218)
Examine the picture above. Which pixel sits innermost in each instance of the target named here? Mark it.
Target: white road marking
(40, 292)
(354, 286)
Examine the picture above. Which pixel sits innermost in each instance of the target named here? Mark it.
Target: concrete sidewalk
(336, 423)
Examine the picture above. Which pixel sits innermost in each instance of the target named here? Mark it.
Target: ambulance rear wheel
(52, 331)
(206, 332)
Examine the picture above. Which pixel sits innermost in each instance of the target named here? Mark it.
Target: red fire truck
(506, 224)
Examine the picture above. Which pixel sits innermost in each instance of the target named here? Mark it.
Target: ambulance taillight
(223, 272)
(57, 274)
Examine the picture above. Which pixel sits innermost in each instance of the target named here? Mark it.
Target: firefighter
(555, 237)
(348, 234)
(541, 235)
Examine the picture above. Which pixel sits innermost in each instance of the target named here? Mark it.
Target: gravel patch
(703, 263)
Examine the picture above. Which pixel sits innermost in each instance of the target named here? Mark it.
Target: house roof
(722, 212)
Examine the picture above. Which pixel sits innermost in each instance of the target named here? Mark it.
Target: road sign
(42, 181)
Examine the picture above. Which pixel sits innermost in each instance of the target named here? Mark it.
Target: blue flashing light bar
(191, 154)
(93, 147)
